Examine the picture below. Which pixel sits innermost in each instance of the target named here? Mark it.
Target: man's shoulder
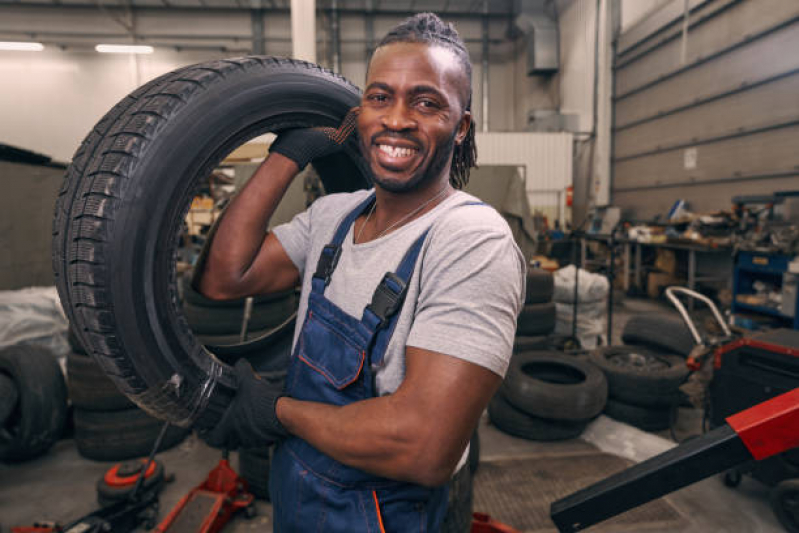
(469, 214)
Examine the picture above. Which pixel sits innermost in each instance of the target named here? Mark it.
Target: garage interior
(632, 146)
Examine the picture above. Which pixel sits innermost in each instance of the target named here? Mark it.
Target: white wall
(633, 11)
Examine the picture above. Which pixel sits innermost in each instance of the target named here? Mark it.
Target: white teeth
(396, 151)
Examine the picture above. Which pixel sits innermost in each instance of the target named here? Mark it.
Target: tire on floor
(254, 466)
(540, 286)
(647, 418)
(555, 386)
(90, 388)
(121, 208)
(641, 376)
(40, 412)
(121, 435)
(536, 320)
(516, 422)
(8, 397)
(659, 331)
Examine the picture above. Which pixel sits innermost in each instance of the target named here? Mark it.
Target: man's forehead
(436, 59)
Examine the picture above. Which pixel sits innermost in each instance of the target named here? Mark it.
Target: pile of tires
(548, 396)
(537, 317)
(108, 426)
(33, 402)
(643, 384)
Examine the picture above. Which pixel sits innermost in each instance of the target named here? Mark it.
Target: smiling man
(410, 294)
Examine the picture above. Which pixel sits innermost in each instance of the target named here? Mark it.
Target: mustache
(395, 135)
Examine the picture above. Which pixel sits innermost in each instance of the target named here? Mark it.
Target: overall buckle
(328, 260)
(388, 297)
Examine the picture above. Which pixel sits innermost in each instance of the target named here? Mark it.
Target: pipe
(335, 36)
(484, 70)
(369, 30)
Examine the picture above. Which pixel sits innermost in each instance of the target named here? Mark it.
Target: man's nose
(398, 118)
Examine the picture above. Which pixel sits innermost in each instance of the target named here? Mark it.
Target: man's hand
(303, 145)
(250, 420)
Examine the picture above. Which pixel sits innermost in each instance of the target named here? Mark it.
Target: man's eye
(377, 98)
(426, 103)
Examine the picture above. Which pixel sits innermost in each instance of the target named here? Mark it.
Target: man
(409, 301)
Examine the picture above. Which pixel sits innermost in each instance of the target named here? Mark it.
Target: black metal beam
(688, 463)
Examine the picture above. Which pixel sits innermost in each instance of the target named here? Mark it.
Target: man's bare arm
(417, 434)
(243, 259)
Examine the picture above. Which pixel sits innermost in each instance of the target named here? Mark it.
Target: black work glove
(250, 420)
(303, 145)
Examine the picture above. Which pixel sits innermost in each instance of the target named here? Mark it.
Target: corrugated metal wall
(546, 158)
(723, 122)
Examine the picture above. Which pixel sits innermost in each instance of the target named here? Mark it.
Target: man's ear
(463, 127)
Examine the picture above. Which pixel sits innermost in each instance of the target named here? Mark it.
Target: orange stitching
(379, 514)
(329, 377)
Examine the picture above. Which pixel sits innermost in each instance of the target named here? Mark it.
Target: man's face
(412, 114)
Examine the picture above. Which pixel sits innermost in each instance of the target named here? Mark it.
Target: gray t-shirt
(465, 293)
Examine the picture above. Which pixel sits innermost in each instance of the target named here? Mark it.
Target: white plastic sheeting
(592, 294)
(33, 316)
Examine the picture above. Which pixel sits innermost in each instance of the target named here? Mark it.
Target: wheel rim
(637, 359)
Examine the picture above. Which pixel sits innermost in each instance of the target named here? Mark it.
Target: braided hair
(429, 29)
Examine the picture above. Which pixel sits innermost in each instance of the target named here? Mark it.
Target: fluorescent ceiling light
(123, 49)
(21, 47)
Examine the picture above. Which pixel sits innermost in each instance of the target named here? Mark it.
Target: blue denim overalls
(332, 363)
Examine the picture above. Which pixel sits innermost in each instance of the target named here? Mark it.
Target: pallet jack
(756, 434)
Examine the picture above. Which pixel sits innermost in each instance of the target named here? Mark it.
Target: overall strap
(381, 315)
(331, 252)
(382, 312)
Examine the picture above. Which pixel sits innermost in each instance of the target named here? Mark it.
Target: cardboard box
(656, 282)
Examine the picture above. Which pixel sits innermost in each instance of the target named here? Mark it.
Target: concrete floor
(60, 485)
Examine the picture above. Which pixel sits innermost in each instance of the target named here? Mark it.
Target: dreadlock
(429, 29)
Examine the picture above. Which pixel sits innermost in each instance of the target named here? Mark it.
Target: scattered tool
(211, 504)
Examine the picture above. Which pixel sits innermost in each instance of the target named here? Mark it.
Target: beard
(423, 175)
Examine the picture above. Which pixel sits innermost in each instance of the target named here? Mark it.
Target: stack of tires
(108, 426)
(33, 402)
(219, 323)
(548, 396)
(537, 317)
(644, 374)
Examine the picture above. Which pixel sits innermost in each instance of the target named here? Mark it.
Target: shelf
(761, 309)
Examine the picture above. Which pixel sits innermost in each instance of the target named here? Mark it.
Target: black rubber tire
(74, 342)
(120, 435)
(8, 397)
(120, 211)
(474, 452)
(641, 376)
(540, 286)
(661, 331)
(555, 386)
(535, 320)
(190, 296)
(528, 344)
(40, 413)
(90, 388)
(460, 501)
(110, 494)
(519, 424)
(228, 320)
(254, 464)
(785, 504)
(642, 417)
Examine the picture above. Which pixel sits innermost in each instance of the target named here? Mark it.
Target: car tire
(38, 417)
(785, 504)
(516, 422)
(254, 468)
(661, 332)
(229, 320)
(528, 344)
(554, 386)
(460, 501)
(8, 397)
(643, 417)
(90, 388)
(540, 286)
(536, 320)
(640, 376)
(121, 208)
(121, 435)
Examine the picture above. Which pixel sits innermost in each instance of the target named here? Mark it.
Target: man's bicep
(273, 269)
